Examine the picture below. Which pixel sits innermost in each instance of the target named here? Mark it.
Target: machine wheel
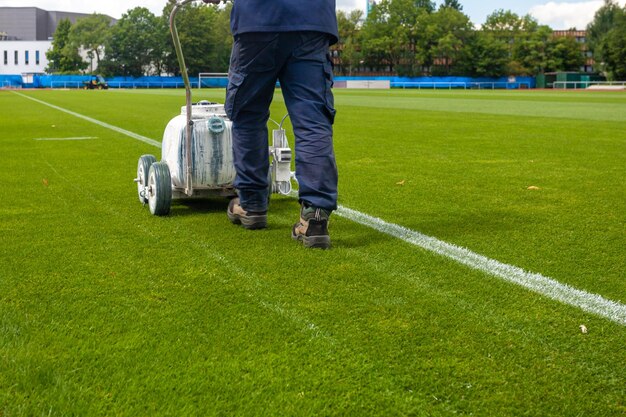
(159, 189)
(143, 169)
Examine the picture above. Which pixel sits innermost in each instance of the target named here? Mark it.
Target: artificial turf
(107, 310)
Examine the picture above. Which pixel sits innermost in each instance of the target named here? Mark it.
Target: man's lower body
(301, 63)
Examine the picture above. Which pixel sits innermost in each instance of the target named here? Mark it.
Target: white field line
(538, 283)
(76, 138)
(94, 121)
(548, 287)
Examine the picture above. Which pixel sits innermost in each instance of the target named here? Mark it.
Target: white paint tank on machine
(212, 164)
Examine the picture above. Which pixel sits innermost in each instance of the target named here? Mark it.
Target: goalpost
(213, 79)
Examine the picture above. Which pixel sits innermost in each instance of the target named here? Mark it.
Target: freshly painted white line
(548, 287)
(538, 283)
(95, 121)
(76, 138)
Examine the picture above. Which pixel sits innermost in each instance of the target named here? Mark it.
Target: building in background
(20, 57)
(26, 35)
(32, 23)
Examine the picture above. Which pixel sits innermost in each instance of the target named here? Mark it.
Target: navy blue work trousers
(301, 62)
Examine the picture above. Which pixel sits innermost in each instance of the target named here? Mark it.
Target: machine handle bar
(185, 75)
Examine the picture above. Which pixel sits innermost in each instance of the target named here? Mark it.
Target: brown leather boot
(312, 229)
(248, 219)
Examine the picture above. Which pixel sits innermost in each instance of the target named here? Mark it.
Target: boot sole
(248, 222)
(317, 242)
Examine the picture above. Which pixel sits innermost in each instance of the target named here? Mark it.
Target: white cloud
(567, 15)
(351, 4)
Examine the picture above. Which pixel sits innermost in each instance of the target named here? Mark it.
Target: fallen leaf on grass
(401, 182)
(533, 187)
(45, 182)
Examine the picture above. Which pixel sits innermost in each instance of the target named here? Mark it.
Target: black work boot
(312, 229)
(248, 219)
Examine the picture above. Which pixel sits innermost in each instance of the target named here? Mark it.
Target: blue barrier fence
(10, 81)
(146, 82)
(77, 81)
(451, 82)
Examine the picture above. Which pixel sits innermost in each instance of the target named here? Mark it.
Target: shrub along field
(107, 310)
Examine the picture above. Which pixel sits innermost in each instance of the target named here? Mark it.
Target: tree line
(399, 37)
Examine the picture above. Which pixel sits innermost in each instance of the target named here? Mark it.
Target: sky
(557, 14)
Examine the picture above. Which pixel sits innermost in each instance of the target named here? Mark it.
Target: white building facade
(26, 35)
(23, 57)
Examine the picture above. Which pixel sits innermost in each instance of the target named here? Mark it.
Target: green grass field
(107, 310)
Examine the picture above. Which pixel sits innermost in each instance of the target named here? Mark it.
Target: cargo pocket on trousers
(328, 96)
(235, 80)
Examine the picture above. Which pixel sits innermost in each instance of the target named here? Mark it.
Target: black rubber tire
(143, 169)
(159, 189)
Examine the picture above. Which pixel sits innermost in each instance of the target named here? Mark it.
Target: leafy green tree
(393, 36)
(426, 5)
(91, 34)
(447, 52)
(132, 44)
(503, 23)
(204, 33)
(514, 32)
(510, 27)
(489, 56)
(536, 50)
(349, 40)
(411, 37)
(446, 41)
(532, 52)
(63, 58)
(162, 46)
(602, 23)
(453, 4)
(59, 40)
(384, 38)
(222, 39)
(613, 46)
(565, 54)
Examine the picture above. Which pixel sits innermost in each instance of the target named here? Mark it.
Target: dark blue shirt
(284, 16)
